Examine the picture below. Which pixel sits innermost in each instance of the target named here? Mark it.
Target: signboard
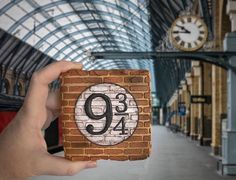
(106, 114)
(182, 110)
(197, 99)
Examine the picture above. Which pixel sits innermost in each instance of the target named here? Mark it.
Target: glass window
(16, 13)
(4, 3)
(25, 5)
(5, 86)
(60, 45)
(17, 89)
(6, 22)
(63, 21)
(42, 32)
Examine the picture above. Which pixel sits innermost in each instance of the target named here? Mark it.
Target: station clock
(188, 33)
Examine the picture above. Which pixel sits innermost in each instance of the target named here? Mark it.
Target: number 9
(108, 114)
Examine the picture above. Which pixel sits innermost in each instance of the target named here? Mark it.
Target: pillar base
(229, 152)
(216, 150)
(205, 141)
(194, 137)
(187, 133)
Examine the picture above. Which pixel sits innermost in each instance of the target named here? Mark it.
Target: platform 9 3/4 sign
(106, 114)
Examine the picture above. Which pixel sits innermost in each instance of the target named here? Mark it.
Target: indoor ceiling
(71, 29)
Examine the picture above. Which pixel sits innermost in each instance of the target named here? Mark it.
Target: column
(229, 136)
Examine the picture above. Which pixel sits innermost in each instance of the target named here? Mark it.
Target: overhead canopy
(70, 29)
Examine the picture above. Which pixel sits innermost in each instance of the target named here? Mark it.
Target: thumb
(59, 166)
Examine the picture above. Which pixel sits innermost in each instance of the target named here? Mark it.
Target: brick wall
(78, 86)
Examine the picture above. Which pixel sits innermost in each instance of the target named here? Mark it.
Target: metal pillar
(229, 135)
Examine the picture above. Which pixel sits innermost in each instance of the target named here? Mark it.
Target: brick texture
(79, 145)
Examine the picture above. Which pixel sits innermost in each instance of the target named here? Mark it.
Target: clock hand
(186, 31)
(183, 28)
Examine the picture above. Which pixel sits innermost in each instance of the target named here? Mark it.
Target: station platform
(173, 157)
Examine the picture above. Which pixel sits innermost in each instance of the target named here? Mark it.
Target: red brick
(95, 158)
(94, 151)
(141, 131)
(75, 151)
(75, 131)
(113, 151)
(119, 158)
(77, 88)
(133, 80)
(83, 80)
(68, 110)
(64, 103)
(72, 102)
(113, 79)
(137, 157)
(142, 102)
(133, 151)
(139, 72)
(98, 73)
(140, 124)
(146, 109)
(147, 79)
(138, 144)
(70, 96)
(136, 138)
(144, 117)
(64, 89)
(76, 72)
(65, 131)
(119, 72)
(122, 145)
(74, 138)
(147, 124)
(146, 151)
(80, 144)
(138, 95)
(139, 88)
(147, 95)
(147, 138)
(80, 158)
(66, 144)
(65, 117)
(70, 125)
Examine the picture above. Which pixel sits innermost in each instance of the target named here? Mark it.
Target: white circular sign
(106, 114)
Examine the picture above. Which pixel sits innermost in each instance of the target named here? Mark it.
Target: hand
(23, 151)
(186, 32)
(183, 28)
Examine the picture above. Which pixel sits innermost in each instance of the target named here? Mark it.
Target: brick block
(106, 114)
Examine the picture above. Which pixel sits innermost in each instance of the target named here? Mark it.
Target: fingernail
(92, 164)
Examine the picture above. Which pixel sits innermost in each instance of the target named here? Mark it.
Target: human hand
(23, 151)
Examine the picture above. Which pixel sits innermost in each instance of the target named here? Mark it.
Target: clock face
(188, 33)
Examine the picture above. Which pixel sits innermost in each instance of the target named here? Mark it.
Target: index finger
(38, 89)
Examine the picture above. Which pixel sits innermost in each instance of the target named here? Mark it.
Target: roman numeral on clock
(177, 38)
(200, 38)
(182, 43)
(189, 45)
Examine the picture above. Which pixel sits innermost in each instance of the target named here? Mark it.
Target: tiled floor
(174, 157)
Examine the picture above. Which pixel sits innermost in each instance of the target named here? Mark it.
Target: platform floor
(174, 157)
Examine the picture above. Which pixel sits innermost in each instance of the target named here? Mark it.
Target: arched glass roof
(65, 29)
(71, 29)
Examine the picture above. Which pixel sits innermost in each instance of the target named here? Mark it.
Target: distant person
(23, 150)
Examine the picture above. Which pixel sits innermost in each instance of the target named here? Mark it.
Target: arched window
(17, 89)
(5, 86)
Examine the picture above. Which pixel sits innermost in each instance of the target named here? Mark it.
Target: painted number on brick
(106, 114)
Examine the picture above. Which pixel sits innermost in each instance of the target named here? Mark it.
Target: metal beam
(218, 58)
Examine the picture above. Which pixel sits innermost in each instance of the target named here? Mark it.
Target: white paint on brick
(110, 137)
